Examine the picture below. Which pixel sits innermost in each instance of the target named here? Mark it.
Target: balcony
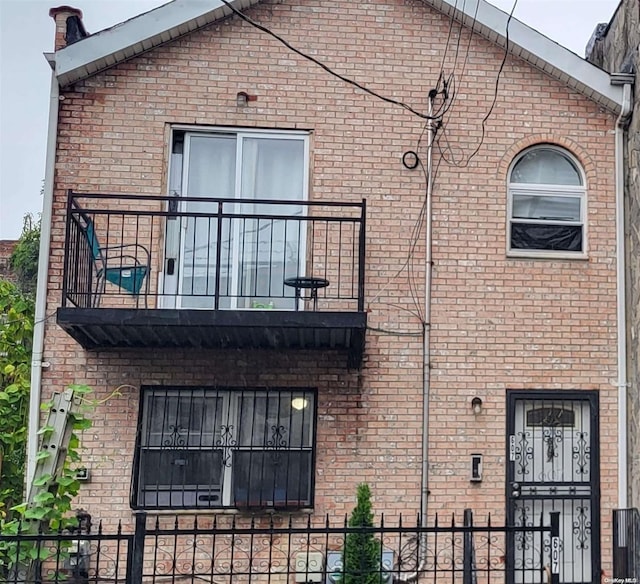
(190, 272)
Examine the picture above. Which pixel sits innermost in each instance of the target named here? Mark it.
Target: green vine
(51, 509)
(16, 330)
(24, 259)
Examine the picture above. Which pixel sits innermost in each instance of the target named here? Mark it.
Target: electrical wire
(495, 93)
(416, 237)
(327, 68)
(395, 333)
(452, 78)
(497, 85)
(22, 319)
(449, 147)
(446, 46)
(460, 29)
(448, 101)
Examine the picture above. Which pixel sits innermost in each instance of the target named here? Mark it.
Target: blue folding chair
(113, 264)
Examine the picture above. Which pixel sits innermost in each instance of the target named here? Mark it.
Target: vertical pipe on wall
(426, 339)
(621, 292)
(426, 356)
(41, 287)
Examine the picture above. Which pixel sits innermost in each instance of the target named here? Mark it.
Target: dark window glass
(272, 478)
(546, 237)
(551, 417)
(203, 447)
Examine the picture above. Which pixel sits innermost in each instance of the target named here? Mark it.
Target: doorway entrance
(554, 466)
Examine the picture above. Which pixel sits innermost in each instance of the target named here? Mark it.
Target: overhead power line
(328, 69)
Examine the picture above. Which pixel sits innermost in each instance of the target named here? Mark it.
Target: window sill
(547, 255)
(224, 511)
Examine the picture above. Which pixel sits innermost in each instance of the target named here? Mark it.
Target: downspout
(426, 339)
(426, 356)
(41, 286)
(626, 81)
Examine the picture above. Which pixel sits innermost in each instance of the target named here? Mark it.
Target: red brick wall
(498, 323)
(6, 249)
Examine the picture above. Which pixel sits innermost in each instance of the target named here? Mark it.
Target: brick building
(264, 259)
(6, 249)
(614, 47)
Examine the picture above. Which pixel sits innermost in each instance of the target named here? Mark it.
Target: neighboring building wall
(6, 249)
(498, 323)
(616, 49)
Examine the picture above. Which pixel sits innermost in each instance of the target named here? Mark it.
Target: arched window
(546, 202)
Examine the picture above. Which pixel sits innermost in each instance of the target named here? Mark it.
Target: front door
(553, 466)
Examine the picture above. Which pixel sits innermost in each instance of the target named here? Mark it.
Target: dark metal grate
(217, 447)
(212, 253)
(626, 545)
(553, 466)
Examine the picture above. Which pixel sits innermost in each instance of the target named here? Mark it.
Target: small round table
(310, 283)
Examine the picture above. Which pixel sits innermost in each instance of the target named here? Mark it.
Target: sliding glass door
(237, 253)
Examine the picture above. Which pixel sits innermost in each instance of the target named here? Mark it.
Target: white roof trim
(133, 37)
(137, 35)
(536, 49)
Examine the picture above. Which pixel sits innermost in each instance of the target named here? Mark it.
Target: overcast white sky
(26, 31)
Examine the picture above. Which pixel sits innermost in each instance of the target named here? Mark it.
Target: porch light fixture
(299, 403)
(243, 99)
(476, 405)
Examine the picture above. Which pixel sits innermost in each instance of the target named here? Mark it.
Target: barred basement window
(220, 447)
(546, 202)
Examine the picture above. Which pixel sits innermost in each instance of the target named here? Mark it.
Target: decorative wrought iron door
(553, 466)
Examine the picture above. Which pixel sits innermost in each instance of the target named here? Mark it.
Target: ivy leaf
(45, 430)
(37, 513)
(65, 481)
(39, 553)
(42, 481)
(42, 498)
(80, 423)
(10, 528)
(20, 508)
(80, 389)
(43, 455)
(73, 456)
(9, 369)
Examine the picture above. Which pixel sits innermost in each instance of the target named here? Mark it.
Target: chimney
(69, 27)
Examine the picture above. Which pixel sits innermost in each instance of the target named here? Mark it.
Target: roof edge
(165, 23)
(137, 35)
(536, 49)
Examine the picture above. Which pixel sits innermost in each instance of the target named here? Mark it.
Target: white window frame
(177, 182)
(229, 418)
(550, 190)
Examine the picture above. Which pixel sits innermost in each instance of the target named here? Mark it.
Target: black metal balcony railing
(213, 254)
(229, 549)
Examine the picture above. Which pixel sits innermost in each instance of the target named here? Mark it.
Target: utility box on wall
(476, 468)
(309, 567)
(334, 567)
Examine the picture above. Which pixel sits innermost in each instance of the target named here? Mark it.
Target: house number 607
(555, 555)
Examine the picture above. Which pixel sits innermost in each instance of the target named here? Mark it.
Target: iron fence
(57, 558)
(213, 253)
(626, 545)
(274, 549)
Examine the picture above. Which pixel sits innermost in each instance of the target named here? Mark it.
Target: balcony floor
(117, 328)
